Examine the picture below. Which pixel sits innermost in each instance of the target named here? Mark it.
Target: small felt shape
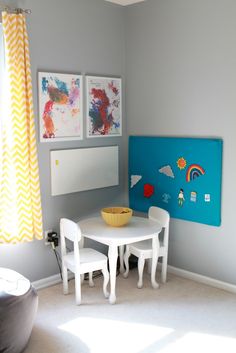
(166, 170)
(193, 172)
(135, 179)
(148, 190)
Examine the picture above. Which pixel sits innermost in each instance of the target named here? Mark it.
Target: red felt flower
(148, 190)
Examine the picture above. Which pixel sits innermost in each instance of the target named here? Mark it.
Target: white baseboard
(49, 281)
(55, 279)
(202, 279)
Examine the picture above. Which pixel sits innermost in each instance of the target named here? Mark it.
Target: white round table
(137, 229)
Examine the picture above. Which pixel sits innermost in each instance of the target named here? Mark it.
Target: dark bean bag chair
(18, 307)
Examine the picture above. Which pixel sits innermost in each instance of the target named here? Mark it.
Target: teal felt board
(181, 175)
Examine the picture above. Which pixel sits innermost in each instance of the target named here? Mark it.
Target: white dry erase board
(83, 169)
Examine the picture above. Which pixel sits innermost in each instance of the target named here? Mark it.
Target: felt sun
(181, 163)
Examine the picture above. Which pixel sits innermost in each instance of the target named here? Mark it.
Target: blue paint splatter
(77, 82)
(117, 125)
(62, 86)
(44, 84)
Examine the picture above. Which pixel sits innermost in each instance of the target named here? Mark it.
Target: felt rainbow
(194, 171)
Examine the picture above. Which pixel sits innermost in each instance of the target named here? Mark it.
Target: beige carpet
(181, 316)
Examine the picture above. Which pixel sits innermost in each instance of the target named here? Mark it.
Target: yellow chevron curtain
(20, 202)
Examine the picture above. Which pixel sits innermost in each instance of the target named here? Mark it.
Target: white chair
(81, 260)
(143, 249)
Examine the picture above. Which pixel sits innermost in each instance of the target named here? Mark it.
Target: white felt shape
(167, 171)
(135, 179)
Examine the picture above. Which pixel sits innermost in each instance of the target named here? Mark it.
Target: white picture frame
(60, 106)
(104, 106)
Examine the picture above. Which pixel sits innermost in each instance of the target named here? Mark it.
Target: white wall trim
(49, 281)
(55, 279)
(202, 279)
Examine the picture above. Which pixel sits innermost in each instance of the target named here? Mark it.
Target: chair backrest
(162, 217)
(159, 215)
(70, 230)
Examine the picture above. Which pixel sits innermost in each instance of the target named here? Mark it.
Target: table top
(137, 229)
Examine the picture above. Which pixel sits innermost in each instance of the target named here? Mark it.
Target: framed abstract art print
(104, 106)
(60, 106)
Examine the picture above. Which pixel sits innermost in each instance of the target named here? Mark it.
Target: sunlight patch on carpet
(196, 342)
(110, 335)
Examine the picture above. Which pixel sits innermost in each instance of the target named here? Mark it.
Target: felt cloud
(135, 179)
(166, 170)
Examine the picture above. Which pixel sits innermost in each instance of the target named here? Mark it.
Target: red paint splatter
(148, 190)
(113, 88)
(48, 122)
(104, 103)
(48, 107)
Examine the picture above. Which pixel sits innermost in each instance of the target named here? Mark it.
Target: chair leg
(105, 281)
(149, 269)
(164, 269)
(77, 289)
(126, 261)
(65, 279)
(82, 278)
(91, 283)
(121, 255)
(141, 262)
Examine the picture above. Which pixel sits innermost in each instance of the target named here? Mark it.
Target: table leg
(155, 253)
(112, 255)
(121, 254)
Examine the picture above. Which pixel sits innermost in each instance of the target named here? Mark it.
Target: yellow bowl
(116, 216)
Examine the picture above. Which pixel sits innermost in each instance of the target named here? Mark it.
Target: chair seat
(142, 245)
(81, 260)
(89, 258)
(146, 246)
(143, 249)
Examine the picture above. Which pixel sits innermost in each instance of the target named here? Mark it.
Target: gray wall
(73, 36)
(181, 81)
(178, 68)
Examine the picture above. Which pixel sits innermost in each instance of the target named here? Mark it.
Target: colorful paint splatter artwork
(103, 106)
(60, 106)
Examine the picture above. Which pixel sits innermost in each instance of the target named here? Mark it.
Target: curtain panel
(20, 200)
